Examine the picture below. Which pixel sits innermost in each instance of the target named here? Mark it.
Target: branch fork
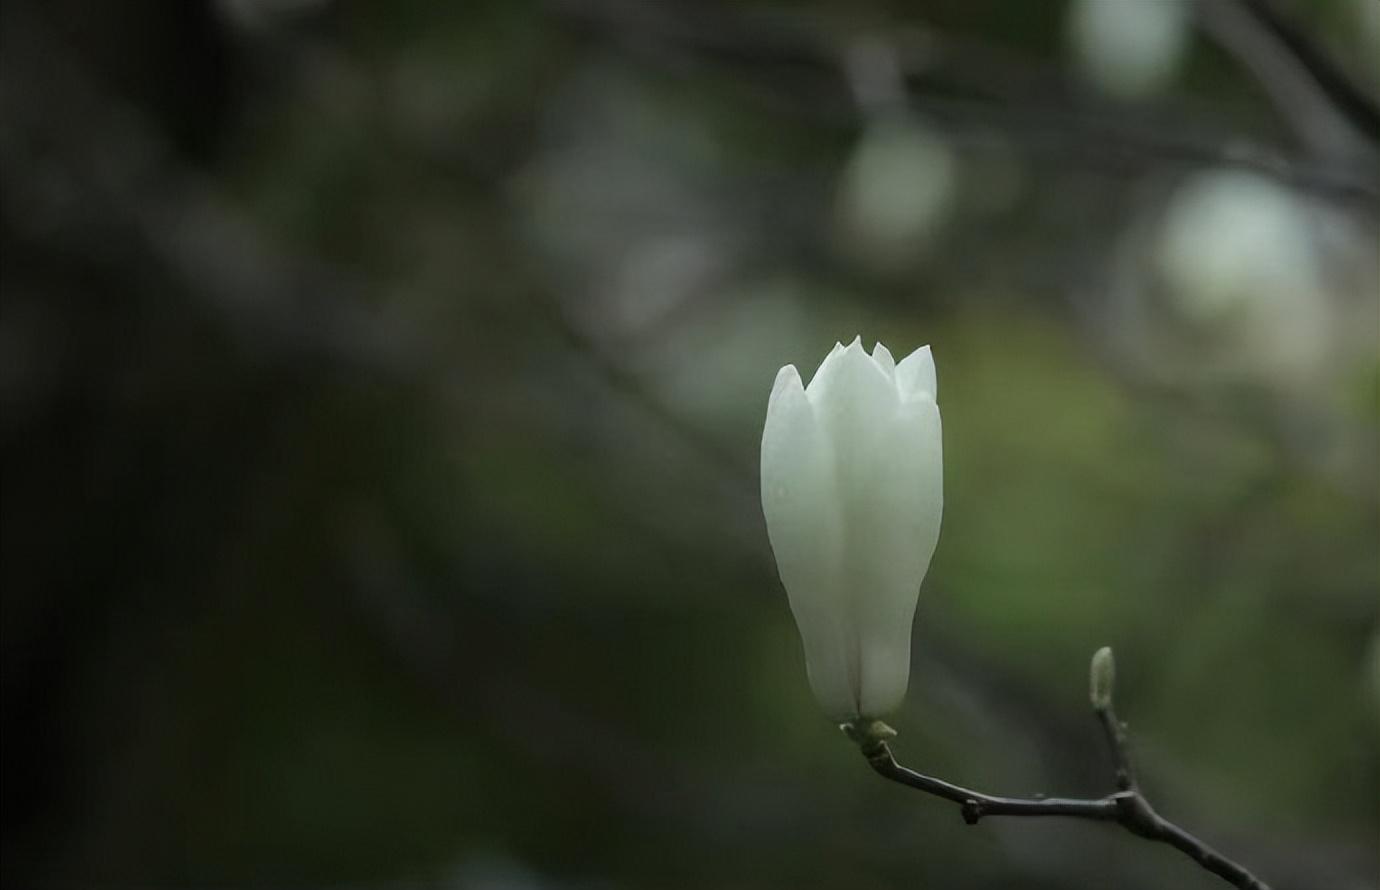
(1126, 806)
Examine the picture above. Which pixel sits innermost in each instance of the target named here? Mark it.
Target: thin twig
(1126, 807)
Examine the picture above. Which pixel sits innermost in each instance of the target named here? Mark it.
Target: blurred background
(382, 387)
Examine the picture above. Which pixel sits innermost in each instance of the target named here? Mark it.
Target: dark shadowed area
(381, 387)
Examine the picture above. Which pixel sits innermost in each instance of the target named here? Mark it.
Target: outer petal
(882, 356)
(800, 504)
(915, 374)
(787, 381)
(857, 405)
(902, 501)
(823, 372)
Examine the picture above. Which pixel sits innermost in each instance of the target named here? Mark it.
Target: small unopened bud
(1102, 675)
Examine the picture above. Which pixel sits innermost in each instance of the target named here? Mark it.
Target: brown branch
(1126, 807)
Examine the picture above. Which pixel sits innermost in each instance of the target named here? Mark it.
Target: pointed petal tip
(916, 375)
(786, 378)
(882, 356)
(855, 351)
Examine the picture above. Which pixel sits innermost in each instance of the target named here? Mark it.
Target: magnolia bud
(1101, 675)
(852, 490)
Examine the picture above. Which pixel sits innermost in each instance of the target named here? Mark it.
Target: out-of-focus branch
(134, 177)
(1126, 807)
(947, 78)
(1346, 97)
(1329, 117)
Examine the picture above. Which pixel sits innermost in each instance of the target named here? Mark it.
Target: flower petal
(915, 374)
(857, 405)
(800, 503)
(823, 370)
(882, 356)
(849, 391)
(894, 528)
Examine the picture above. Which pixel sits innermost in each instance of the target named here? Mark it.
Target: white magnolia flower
(852, 489)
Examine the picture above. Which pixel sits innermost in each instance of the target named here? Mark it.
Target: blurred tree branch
(1348, 99)
(1127, 806)
(1329, 123)
(961, 83)
(133, 175)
